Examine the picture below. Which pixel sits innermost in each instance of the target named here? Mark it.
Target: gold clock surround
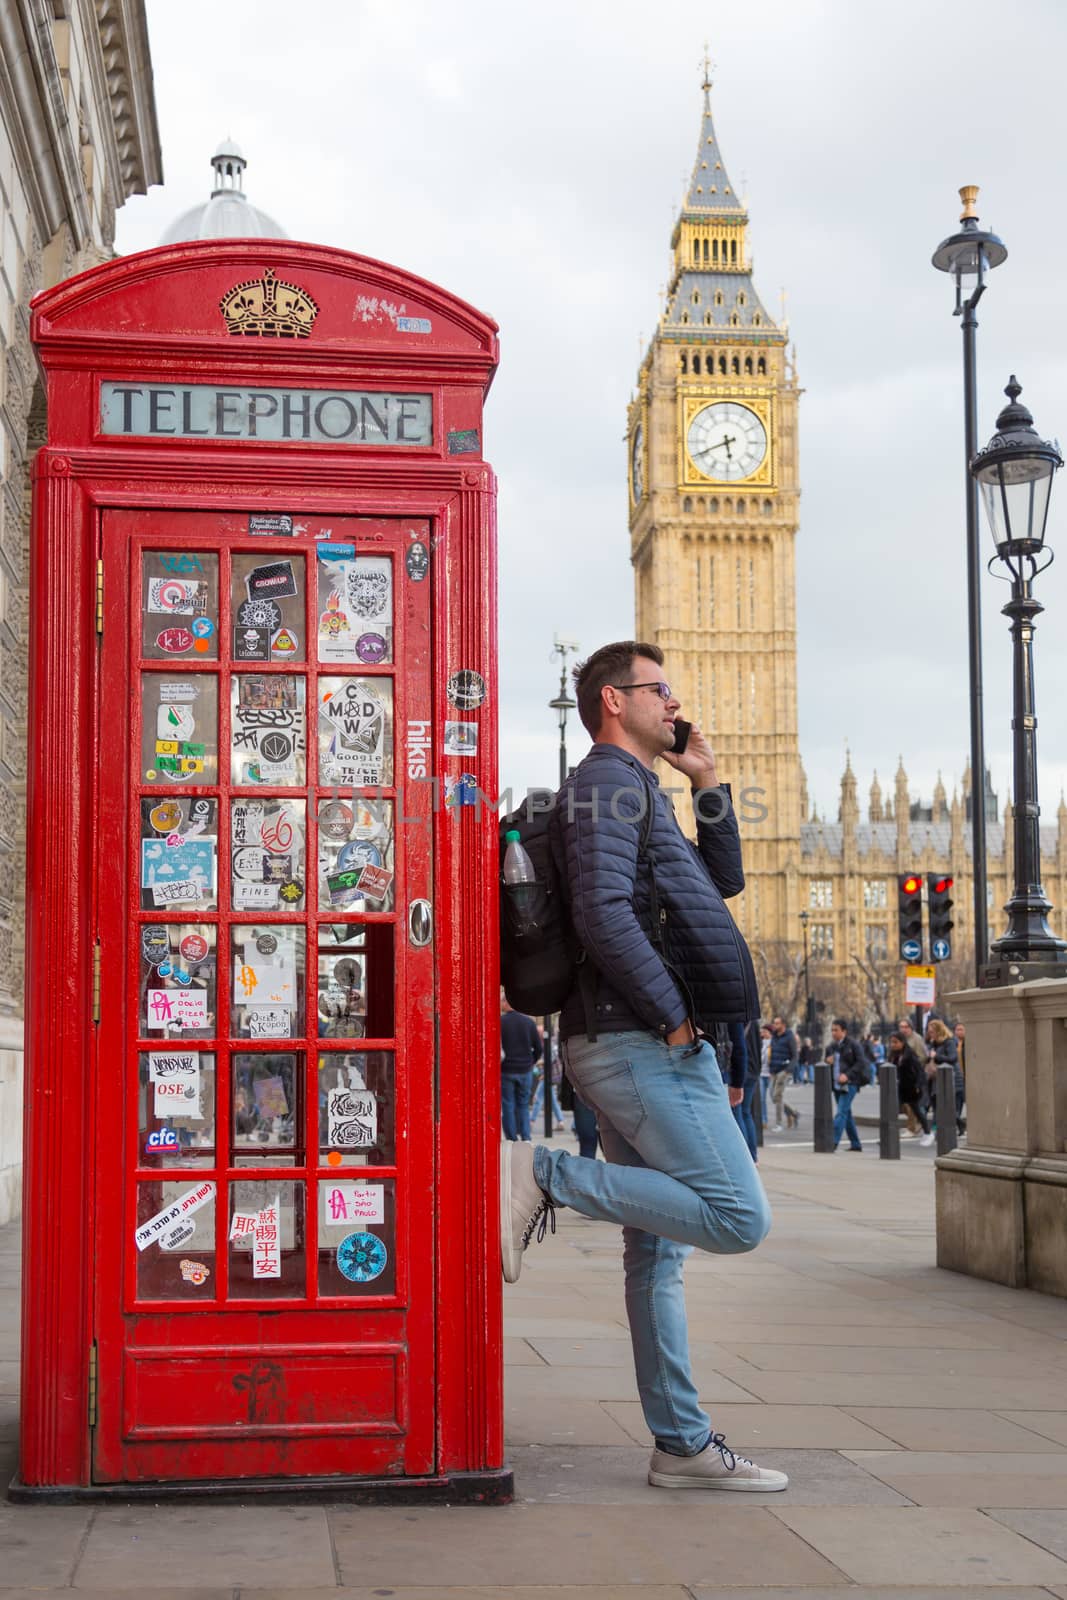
(690, 403)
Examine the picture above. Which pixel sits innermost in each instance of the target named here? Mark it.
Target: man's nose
(674, 704)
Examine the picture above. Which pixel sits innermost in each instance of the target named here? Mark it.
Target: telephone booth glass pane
(179, 728)
(180, 605)
(175, 1239)
(356, 856)
(357, 1109)
(176, 1108)
(357, 1236)
(268, 608)
(177, 991)
(267, 854)
(355, 730)
(267, 737)
(266, 1237)
(268, 967)
(268, 1102)
(355, 606)
(178, 854)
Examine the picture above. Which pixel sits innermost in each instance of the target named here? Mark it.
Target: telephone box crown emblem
(267, 307)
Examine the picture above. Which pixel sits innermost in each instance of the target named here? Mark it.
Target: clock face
(637, 465)
(726, 441)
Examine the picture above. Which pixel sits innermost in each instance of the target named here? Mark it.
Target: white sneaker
(523, 1204)
(716, 1467)
(927, 1139)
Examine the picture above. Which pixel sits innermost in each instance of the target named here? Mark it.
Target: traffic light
(910, 915)
(939, 895)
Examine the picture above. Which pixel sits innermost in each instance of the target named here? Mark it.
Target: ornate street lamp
(969, 255)
(563, 701)
(1015, 471)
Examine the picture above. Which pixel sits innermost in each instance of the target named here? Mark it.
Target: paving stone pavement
(921, 1416)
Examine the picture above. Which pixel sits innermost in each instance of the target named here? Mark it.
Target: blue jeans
(677, 1174)
(745, 1117)
(843, 1122)
(539, 1101)
(515, 1103)
(764, 1090)
(585, 1127)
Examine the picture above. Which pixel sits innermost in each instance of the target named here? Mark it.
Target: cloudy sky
(533, 160)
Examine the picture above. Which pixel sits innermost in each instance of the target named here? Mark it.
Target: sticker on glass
(461, 790)
(356, 608)
(268, 1023)
(335, 820)
(267, 728)
(266, 1242)
(352, 732)
(273, 581)
(354, 1202)
(352, 1119)
(417, 561)
(195, 1272)
(163, 1221)
(179, 872)
(361, 1257)
(173, 597)
(176, 1008)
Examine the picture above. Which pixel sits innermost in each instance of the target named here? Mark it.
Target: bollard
(888, 1112)
(946, 1110)
(823, 1121)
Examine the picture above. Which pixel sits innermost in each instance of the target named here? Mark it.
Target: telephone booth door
(265, 1102)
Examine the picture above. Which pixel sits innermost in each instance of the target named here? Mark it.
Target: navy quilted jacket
(596, 832)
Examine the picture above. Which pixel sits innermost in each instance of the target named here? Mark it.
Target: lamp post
(563, 701)
(809, 1019)
(972, 253)
(1015, 472)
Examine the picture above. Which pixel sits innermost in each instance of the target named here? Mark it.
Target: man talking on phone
(678, 1173)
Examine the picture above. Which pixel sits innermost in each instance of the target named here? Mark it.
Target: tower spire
(710, 191)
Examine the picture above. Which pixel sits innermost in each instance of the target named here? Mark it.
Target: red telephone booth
(261, 1134)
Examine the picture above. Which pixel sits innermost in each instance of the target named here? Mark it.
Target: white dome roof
(227, 215)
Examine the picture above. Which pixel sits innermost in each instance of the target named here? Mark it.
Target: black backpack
(539, 954)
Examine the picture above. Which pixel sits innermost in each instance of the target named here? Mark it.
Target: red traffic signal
(912, 884)
(941, 885)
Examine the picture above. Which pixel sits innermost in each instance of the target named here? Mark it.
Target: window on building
(739, 628)
(707, 319)
(757, 320)
(696, 362)
(822, 941)
(768, 508)
(711, 701)
(685, 317)
(752, 700)
(735, 320)
(735, 365)
(748, 366)
(685, 363)
(875, 894)
(761, 364)
(715, 251)
(733, 252)
(696, 252)
(718, 297)
(751, 593)
(740, 700)
(722, 365)
(876, 939)
(705, 252)
(687, 504)
(821, 893)
(696, 297)
(713, 507)
(742, 506)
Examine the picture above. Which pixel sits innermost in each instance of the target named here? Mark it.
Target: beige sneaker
(523, 1204)
(716, 1467)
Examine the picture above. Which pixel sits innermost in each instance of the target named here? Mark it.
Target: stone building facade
(78, 136)
(714, 495)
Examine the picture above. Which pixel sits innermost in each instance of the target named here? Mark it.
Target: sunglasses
(662, 689)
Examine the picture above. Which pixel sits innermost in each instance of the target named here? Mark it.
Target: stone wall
(78, 135)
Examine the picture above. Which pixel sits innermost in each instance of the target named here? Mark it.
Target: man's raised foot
(716, 1467)
(523, 1204)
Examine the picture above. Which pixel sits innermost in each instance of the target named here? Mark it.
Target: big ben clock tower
(712, 466)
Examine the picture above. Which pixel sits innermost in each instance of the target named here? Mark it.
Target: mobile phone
(681, 735)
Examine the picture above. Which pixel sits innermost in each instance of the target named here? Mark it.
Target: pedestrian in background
(764, 1068)
(945, 1054)
(520, 1048)
(850, 1073)
(807, 1056)
(783, 1060)
(915, 1044)
(911, 1082)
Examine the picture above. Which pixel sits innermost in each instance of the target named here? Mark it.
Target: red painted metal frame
(155, 317)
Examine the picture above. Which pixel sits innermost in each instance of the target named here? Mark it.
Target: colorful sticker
(461, 738)
(176, 1008)
(464, 442)
(174, 640)
(335, 552)
(335, 820)
(372, 648)
(266, 1250)
(272, 1023)
(352, 718)
(375, 882)
(201, 627)
(163, 1141)
(358, 853)
(354, 1202)
(193, 947)
(361, 1257)
(273, 581)
(155, 945)
(292, 892)
(266, 944)
(166, 816)
(461, 791)
(417, 561)
(284, 643)
(195, 1272)
(172, 870)
(178, 1235)
(466, 690)
(175, 597)
(251, 644)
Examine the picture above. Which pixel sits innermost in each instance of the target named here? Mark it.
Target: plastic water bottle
(520, 879)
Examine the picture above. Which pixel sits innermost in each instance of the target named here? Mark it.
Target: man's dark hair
(612, 663)
(839, 1022)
